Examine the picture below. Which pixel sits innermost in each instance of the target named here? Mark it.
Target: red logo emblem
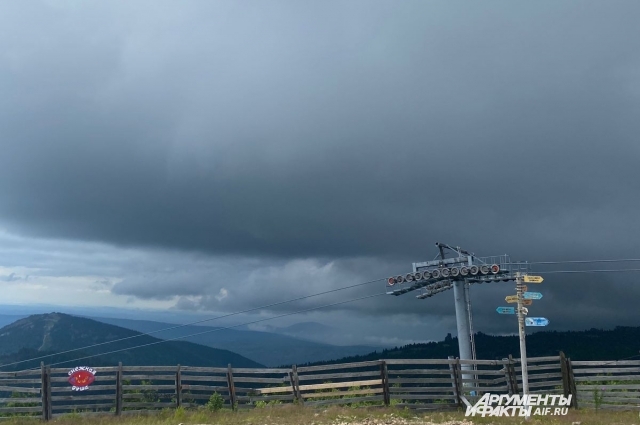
(81, 377)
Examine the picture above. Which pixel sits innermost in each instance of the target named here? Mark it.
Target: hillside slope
(593, 344)
(57, 332)
(265, 347)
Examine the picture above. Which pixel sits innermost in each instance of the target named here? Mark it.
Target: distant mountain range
(268, 348)
(619, 343)
(44, 334)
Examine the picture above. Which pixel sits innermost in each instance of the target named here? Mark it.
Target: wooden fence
(414, 383)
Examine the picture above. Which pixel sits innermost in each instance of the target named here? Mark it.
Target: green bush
(215, 403)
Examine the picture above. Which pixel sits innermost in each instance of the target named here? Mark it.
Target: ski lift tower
(457, 272)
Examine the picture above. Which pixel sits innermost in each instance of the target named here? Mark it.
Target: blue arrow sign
(536, 321)
(532, 295)
(506, 310)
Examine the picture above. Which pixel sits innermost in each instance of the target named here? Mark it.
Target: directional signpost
(506, 310)
(533, 279)
(512, 299)
(532, 295)
(536, 321)
(523, 298)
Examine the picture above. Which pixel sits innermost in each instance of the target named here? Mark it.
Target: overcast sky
(219, 156)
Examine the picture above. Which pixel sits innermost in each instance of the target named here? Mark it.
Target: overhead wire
(617, 260)
(587, 271)
(195, 322)
(162, 341)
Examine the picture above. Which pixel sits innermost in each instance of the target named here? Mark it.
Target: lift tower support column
(462, 321)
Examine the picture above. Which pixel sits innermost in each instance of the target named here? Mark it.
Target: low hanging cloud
(225, 156)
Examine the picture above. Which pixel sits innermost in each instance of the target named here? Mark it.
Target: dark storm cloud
(324, 131)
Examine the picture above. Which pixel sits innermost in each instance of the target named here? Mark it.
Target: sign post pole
(523, 345)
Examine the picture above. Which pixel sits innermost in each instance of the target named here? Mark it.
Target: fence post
(48, 391)
(384, 376)
(513, 377)
(566, 390)
(178, 388)
(295, 384)
(119, 397)
(232, 388)
(507, 376)
(454, 380)
(43, 392)
(572, 384)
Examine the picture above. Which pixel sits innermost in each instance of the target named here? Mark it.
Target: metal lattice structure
(433, 277)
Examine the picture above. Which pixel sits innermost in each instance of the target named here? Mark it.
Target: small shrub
(215, 403)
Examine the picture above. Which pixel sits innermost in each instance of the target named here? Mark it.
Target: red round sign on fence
(81, 377)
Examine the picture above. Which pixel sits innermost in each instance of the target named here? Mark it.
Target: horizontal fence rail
(425, 384)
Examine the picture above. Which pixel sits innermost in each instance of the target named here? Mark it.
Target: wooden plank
(189, 387)
(61, 415)
(488, 389)
(245, 379)
(84, 406)
(288, 397)
(610, 406)
(257, 370)
(607, 387)
(483, 362)
(340, 385)
(420, 361)
(542, 367)
(575, 363)
(31, 409)
(147, 387)
(420, 381)
(540, 359)
(189, 378)
(339, 366)
(337, 375)
(420, 389)
(200, 396)
(221, 370)
(344, 393)
(98, 369)
(605, 370)
(83, 397)
(91, 388)
(21, 400)
(126, 369)
(65, 379)
(545, 384)
(147, 377)
(27, 372)
(20, 389)
(273, 390)
(606, 378)
(148, 404)
(545, 376)
(6, 381)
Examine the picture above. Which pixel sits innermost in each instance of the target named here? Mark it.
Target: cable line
(588, 271)
(620, 260)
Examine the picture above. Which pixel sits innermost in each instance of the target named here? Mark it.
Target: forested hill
(594, 344)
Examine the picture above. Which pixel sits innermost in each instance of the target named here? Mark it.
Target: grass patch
(297, 415)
